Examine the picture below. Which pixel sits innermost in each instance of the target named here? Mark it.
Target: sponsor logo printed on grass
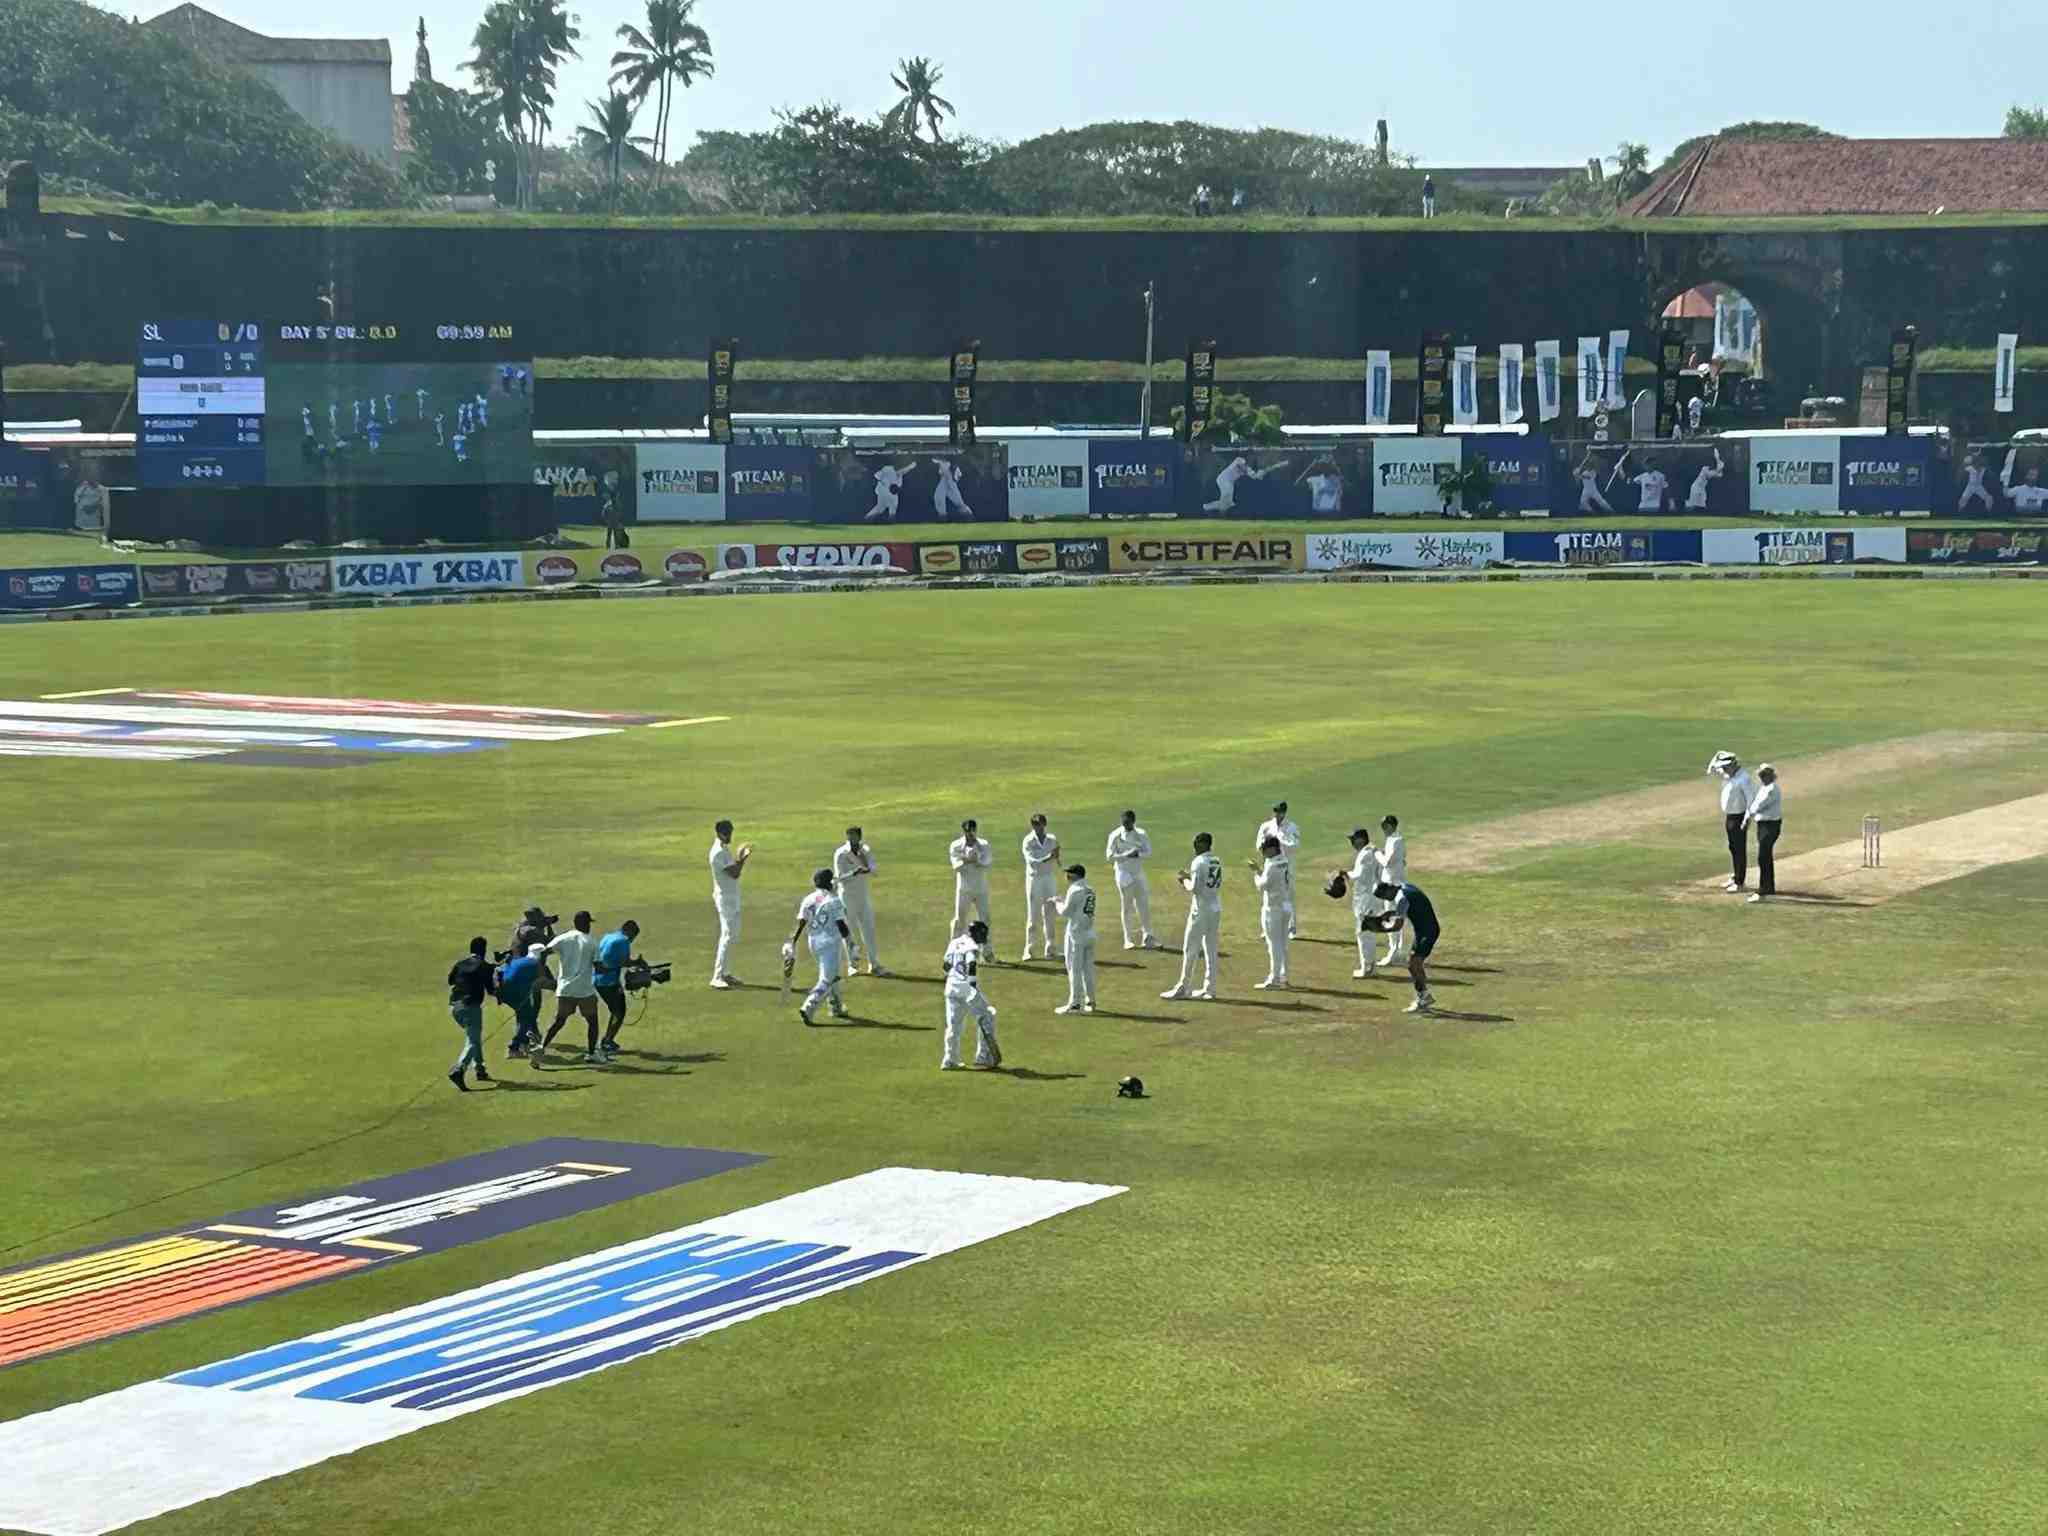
(99, 1293)
(137, 1453)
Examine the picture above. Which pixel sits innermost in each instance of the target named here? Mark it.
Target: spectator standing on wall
(1429, 197)
(1237, 200)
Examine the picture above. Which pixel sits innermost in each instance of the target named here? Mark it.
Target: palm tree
(672, 48)
(518, 44)
(608, 133)
(1631, 164)
(918, 78)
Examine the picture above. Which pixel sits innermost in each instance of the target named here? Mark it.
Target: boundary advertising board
(680, 482)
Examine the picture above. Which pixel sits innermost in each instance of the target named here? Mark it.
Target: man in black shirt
(469, 983)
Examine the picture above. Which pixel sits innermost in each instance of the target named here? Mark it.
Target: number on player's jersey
(1088, 906)
(1212, 876)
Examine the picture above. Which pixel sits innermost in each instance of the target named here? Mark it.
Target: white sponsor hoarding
(681, 482)
(1406, 472)
(381, 575)
(1049, 478)
(1406, 551)
(1795, 472)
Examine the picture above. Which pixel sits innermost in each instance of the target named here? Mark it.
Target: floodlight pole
(1145, 401)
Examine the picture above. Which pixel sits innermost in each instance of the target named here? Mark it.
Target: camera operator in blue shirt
(614, 950)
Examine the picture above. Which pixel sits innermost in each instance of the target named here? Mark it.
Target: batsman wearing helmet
(964, 1000)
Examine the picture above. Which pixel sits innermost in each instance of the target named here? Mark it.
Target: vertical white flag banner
(1510, 382)
(1592, 374)
(1549, 376)
(1465, 386)
(1379, 388)
(2003, 386)
(1617, 361)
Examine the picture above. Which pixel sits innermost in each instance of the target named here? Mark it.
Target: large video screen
(301, 404)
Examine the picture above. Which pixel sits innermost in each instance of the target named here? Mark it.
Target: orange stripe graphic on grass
(158, 1283)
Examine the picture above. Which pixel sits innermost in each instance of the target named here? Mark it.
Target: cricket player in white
(2029, 497)
(1363, 876)
(1203, 881)
(1041, 886)
(1590, 499)
(971, 858)
(1282, 826)
(1325, 486)
(964, 1001)
(888, 486)
(1226, 483)
(1393, 871)
(1696, 499)
(727, 865)
(1275, 881)
(333, 420)
(946, 494)
(1653, 485)
(420, 397)
(1974, 487)
(1077, 907)
(853, 866)
(823, 914)
(1129, 846)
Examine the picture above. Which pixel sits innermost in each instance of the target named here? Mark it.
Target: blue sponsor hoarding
(1887, 475)
(24, 488)
(1520, 466)
(1601, 546)
(1132, 477)
(769, 483)
(69, 586)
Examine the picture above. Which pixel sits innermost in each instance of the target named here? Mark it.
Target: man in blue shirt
(613, 951)
(519, 990)
(1407, 904)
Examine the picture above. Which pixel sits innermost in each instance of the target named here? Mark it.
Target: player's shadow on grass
(915, 981)
(1026, 1075)
(1267, 1005)
(855, 1021)
(694, 1059)
(1469, 970)
(1458, 1017)
(1141, 1018)
(528, 1085)
(1336, 992)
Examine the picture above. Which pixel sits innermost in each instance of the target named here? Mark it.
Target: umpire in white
(1737, 790)
(1767, 810)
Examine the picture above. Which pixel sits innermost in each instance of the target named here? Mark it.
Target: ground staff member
(1767, 810)
(613, 951)
(1737, 790)
(469, 983)
(519, 990)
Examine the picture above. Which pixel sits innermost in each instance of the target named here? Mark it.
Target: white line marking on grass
(86, 693)
(664, 725)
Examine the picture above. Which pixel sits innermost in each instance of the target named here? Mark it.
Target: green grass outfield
(1699, 1218)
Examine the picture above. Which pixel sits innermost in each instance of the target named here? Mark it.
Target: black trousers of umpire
(1738, 847)
(1766, 850)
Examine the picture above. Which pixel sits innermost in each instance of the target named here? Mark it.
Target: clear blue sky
(1475, 84)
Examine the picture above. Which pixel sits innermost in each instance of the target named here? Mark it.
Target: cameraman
(614, 953)
(519, 990)
(535, 927)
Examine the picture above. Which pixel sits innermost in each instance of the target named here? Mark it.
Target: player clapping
(1041, 890)
(1275, 880)
(1128, 848)
(853, 865)
(970, 857)
(1203, 881)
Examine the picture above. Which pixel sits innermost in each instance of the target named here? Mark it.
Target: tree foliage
(1147, 168)
(456, 138)
(1234, 419)
(822, 159)
(609, 135)
(137, 112)
(2026, 123)
(518, 45)
(918, 79)
(671, 50)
